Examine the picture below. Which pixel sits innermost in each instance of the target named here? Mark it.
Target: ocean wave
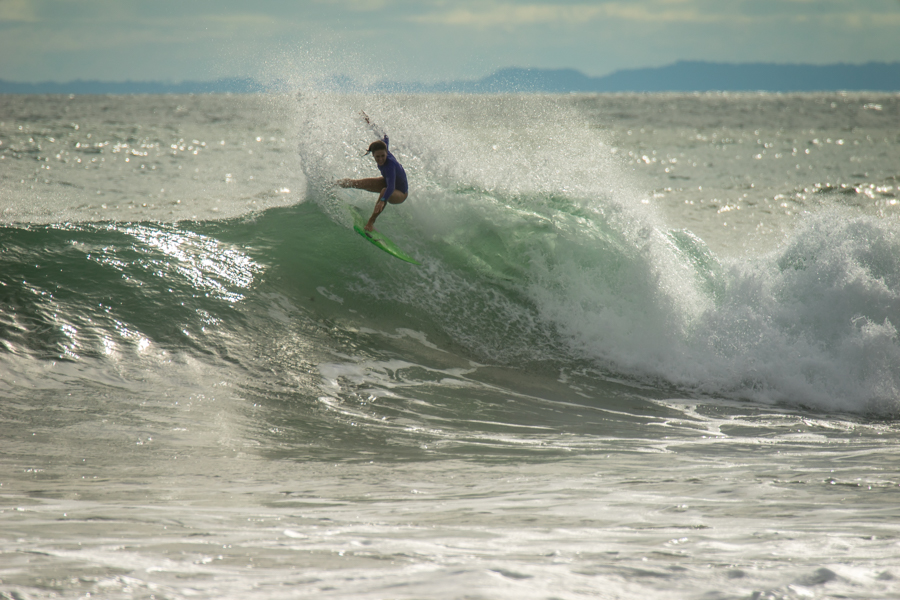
(548, 258)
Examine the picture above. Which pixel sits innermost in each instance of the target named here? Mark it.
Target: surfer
(391, 187)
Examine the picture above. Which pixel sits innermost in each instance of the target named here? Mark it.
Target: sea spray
(814, 321)
(546, 220)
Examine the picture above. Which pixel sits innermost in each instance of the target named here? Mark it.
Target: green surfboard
(378, 238)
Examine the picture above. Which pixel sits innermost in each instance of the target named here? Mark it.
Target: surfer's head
(377, 145)
(379, 152)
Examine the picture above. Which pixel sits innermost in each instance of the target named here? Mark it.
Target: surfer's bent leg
(369, 184)
(396, 198)
(379, 206)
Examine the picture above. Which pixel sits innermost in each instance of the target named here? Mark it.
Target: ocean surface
(651, 351)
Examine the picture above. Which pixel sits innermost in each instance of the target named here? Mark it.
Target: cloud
(17, 11)
(358, 5)
(247, 21)
(510, 14)
(414, 39)
(486, 15)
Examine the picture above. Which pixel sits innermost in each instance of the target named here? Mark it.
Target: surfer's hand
(365, 116)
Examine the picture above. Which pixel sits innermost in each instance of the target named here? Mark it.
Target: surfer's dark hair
(377, 145)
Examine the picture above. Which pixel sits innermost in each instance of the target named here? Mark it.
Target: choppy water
(651, 351)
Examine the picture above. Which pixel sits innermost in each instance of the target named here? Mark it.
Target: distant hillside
(702, 76)
(683, 76)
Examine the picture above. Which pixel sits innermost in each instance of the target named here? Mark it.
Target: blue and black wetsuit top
(393, 173)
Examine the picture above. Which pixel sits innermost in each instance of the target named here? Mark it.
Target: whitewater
(651, 350)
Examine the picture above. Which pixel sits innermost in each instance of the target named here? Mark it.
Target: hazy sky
(425, 40)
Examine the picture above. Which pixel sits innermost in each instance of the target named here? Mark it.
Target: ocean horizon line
(681, 76)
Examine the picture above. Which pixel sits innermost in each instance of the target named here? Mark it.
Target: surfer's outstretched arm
(378, 131)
